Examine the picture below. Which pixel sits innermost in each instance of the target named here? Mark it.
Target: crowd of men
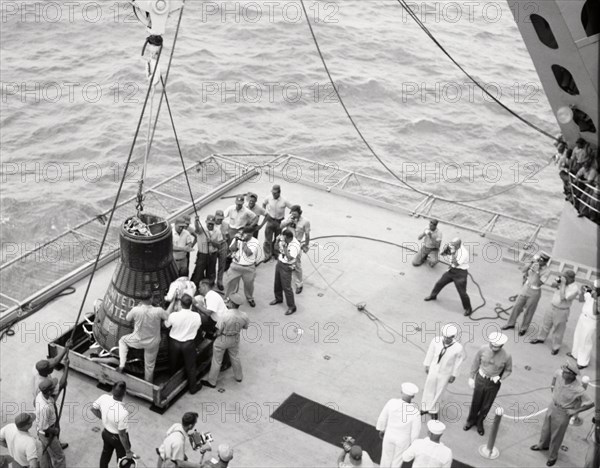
(579, 170)
(222, 254)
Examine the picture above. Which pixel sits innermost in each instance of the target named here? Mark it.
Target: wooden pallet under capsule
(162, 393)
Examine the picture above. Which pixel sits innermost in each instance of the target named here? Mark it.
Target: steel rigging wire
(112, 211)
(374, 153)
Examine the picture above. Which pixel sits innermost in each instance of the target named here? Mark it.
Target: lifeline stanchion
(576, 420)
(489, 451)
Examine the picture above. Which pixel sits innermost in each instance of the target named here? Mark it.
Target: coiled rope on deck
(380, 324)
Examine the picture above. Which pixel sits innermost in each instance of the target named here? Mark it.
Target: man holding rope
(50, 452)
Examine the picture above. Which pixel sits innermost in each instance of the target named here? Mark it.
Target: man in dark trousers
(289, 249)
(457, 273)
(111, 410)
(50, 451)
(184, 327)
(274, 206)
(209, 242)
(568, 399)
(491, 365)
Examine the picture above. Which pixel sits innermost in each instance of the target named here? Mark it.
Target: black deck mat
(331, 426)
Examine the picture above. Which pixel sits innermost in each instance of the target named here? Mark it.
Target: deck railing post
(489, 451)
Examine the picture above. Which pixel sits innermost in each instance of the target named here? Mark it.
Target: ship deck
(342, 357)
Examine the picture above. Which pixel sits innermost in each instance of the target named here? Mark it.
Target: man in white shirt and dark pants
(183, 242)
(111, 410)
(184, 327)
(399, 425)
(301, 228)
(457, 274)
(289, 249)
(429, 452)
(209, 240)
(275, 207)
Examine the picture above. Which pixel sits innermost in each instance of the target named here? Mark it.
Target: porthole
(544, 32)
(590, 17)
(565, 80)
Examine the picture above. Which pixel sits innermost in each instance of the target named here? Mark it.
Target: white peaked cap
(409, 389)
(497, 339)
(449, 330)
(436, 427)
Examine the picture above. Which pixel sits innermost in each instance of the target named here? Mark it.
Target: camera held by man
(356, 455)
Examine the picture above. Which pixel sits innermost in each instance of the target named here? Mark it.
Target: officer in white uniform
(585, 331)
(399, 425)
(443, 359)
(429, 452)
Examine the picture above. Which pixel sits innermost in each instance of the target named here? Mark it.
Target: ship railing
(30, 279)
(32, 275)
(516, 232)
(585, 198)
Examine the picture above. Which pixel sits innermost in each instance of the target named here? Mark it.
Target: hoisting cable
(166, 75)
(372, 151)
(187, 180)
(150, 135)
(496, 100)
(335, 88)
(106, 230)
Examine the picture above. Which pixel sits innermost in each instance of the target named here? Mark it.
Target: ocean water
(246, 78)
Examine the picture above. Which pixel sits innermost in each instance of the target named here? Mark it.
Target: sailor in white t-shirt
(429, 452)
(111, 410)
(184, 327)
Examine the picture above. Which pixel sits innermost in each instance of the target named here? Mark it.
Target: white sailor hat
(497, 339)
(597, 283)
(236, 298)
(409, 389)
(449, 330)
(436, 427)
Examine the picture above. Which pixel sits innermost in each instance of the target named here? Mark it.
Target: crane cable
(187, 180)
(413, 15)
(112, 211)
(374, 153)
(150, 135)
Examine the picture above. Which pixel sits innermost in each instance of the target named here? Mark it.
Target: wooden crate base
(161, 394)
